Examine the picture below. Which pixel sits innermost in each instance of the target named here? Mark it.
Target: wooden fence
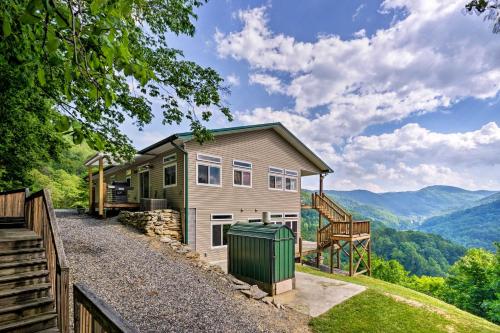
(92, 315)
(40, 217)
(12, 203)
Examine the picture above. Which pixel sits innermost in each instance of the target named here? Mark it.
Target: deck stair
(26, 300)
(341, 234)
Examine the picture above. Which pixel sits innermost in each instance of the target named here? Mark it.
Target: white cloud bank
(430, 59)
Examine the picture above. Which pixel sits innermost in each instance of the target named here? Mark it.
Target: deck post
(351, 273)
(101, 187)
(321, 176)
(369, 257)
(91, 199)
(331, 258)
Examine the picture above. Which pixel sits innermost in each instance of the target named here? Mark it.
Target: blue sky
(394, 95)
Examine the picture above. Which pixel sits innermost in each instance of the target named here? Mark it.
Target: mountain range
(470, 218)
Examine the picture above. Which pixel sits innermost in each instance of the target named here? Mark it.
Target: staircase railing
(12, 203)
(91, 314)
(40, 217)
(329, 208)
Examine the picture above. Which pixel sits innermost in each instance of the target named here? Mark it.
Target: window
(275, 170)
(290, 184)
(293, 215)
(292, 225)
(208, 158)
(291, 173)
(275, 182)
(208, 174)
(254, 220)
(219, 234)
(242, 178)
(129, 181)
(170, 158)
(276, 215)
(170, 175)
(221, 217)
(242, 164)
(144, 184)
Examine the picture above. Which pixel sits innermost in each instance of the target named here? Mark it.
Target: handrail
(40, 217)
(336, 206)
(91, 314)
(12, 202)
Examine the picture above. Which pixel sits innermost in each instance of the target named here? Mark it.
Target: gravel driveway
(158, 290)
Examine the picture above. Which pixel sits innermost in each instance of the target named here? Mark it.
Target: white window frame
(255, 220)
(221, 223)
(275, 171)
(199, 157)
(276, 217)
(291, 173)
(269, 181)
(168, 166)
(296, 184)
(242, 167)
(209, 165)
(292, 215)
(167, 159)
(243, 170)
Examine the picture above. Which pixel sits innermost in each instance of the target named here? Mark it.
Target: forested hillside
(473, 227)
(420, 253)
(413, 205)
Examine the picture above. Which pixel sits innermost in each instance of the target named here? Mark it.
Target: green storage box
(262, 254)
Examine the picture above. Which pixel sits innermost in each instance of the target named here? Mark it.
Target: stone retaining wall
(163, 222)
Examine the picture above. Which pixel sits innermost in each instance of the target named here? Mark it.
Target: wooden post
(369, 257)
(320, 222)
(101, 187)
(351, 273)
(338, 256)
(300, 250)
(91, 198)
(331, 258)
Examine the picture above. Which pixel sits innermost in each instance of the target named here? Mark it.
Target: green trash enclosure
(262, 254)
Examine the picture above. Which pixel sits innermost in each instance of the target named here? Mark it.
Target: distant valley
(469, 218)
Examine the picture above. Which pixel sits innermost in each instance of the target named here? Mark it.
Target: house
(243, 172)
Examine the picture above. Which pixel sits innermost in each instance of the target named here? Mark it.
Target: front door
(144, 184)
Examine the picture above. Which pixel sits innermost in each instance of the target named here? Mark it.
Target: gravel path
(158, 290)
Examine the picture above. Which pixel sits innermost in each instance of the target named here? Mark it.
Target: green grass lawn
(386, 307)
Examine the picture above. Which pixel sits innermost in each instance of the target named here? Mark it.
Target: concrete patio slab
(314, 295)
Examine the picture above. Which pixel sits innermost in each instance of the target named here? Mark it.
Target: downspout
(186, 186)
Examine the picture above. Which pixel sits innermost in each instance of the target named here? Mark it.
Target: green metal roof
(257, 230)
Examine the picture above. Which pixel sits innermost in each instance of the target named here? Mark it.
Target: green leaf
(52, 41)
(108, 99)
(6, 26)
(41, 76)
(77, 137)
(63, 124)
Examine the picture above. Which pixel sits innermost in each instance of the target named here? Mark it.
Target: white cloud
(233, 80)
(358, 11)
(425, 61)
(428, 59)
(271, 83)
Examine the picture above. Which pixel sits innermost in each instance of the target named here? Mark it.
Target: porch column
(101, 186)
(321, 176)
(91, 199)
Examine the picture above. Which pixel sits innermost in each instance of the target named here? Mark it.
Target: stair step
(21, 254)
(18, 239)
(21, 266)
(12, 225)
(26, 309)
(13, 296)
(23, 279)
(31, 324)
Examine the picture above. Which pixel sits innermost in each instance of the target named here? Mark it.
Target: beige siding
(263, 149)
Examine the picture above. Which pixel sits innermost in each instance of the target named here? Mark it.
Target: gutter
(186, 187)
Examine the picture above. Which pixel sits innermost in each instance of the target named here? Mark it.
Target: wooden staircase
(26, 301)
(342, 235)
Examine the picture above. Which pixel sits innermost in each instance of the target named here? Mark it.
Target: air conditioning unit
(153, 204)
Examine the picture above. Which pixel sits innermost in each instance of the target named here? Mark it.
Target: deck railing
(40, 217)
(12, 203)
(352, 228)
(91, 314)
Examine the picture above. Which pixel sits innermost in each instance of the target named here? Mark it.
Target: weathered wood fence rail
(12, 203)
(40, 217)
(92, 315)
